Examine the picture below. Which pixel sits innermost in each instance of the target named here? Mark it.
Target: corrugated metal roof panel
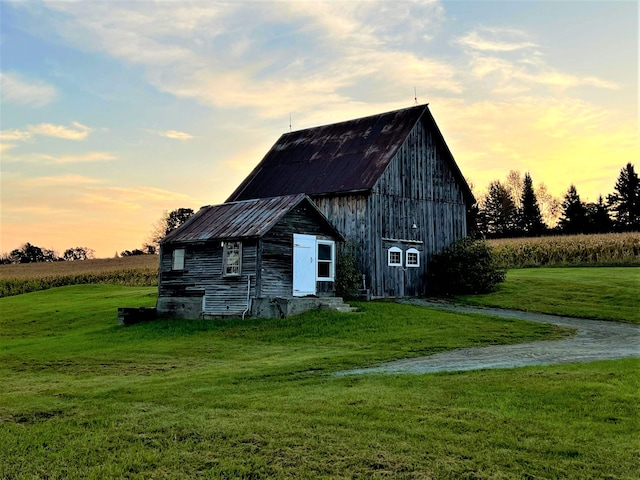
(341, 157)
(248, 218)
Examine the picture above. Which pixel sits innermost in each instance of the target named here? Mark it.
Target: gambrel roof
(339, 158)
(242, 219)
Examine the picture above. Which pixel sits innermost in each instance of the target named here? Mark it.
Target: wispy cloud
(78, 132)
(176, 135)
(14, 135)
(46, 158)
(496, 40)
(70, 180)
(34, 93)
(317, 51)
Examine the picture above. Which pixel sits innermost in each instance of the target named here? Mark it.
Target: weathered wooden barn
(387, 182)
(247, 257)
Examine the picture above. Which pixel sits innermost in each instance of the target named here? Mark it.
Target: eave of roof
(237, 220)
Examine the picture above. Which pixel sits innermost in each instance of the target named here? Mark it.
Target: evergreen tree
(598, 217)
(499, 211)
(529, 217)
(574, 213)
(625, 202)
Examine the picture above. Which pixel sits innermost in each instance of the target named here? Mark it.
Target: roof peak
(424, 106)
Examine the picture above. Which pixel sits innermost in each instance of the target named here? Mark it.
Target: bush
(465, 267)
(348, 277)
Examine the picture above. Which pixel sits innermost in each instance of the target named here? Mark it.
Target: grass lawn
(84, 398)
(605, 293)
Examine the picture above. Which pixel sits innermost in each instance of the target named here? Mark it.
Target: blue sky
(113, 112)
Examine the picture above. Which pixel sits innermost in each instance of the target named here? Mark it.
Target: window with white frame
(412, 258)
(232, 258)
(394, 257)
(177, 259)
(326, 260)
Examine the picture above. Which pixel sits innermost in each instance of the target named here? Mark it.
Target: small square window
(413, 258)
(177, 259)
(394, 258)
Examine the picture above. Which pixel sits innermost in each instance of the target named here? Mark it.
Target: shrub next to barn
(465, 267)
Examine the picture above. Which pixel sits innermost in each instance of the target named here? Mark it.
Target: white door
(304, 265)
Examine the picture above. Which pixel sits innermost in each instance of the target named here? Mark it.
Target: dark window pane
(324, 251)
(324, 269)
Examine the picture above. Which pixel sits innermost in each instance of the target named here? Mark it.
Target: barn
(387, 182)
(249, 257)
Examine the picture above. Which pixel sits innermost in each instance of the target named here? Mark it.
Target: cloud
(317, 51)
(14, 135)
(516, 40)
(68, 180)
(47, 158)
(16, 89)
(79, 132)
(176, 135)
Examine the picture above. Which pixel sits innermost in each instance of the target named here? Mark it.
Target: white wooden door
(304, 265)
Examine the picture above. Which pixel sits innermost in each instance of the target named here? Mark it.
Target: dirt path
(594, 340)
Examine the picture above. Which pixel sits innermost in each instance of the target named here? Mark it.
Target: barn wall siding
(277, 252)
(418, 187)
(202, 274)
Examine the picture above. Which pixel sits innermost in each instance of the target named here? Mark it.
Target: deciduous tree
(78, 253)
(169, 222)
(29, 253)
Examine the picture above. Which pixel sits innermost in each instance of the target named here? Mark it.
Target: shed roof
(338, 158)
(242, 219)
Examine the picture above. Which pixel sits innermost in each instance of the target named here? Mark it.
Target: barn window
(394, 257)
(326, 260)
(232, 258)
(413, 258)
(177, 259)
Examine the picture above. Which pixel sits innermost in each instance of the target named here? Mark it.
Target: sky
(114, 112)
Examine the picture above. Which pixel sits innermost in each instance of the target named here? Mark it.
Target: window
(232, 258)
(177, 259)
(413, 258)
(326, 260)
(394, 258)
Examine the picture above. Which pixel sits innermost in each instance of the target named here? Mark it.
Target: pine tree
(598, 217)
(574, 213)
(625, 202)
(529, 217)
(499, 211)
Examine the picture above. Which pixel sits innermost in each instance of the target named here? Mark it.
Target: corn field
(597, 249)
(138, 270)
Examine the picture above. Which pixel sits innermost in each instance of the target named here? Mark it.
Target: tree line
(509, 209)
(515, 208)
(29, 253)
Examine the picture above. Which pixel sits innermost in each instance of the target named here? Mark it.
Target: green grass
(605, 293)
(84, 398)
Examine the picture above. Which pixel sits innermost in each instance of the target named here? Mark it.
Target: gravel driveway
(594, 340)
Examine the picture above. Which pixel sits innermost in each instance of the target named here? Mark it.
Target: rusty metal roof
(341, 157)
(242, 219)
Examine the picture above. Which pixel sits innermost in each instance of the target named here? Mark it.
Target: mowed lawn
(84, 398)
(604, 293)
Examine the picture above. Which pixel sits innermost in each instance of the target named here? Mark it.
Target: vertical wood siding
(277, 251)
(418, 186)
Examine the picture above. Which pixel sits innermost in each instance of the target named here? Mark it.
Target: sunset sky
(113, 112)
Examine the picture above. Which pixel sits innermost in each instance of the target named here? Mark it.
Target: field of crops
(139, 270)
(568, 250)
